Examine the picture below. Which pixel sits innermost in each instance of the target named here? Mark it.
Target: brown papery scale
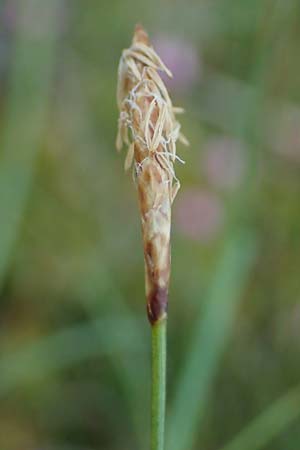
(148, 127)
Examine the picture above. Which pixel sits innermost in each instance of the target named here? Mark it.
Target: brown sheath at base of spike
(157, 305)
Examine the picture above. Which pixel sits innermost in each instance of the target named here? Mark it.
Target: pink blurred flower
(8, 15)
(199, 214)
(223, 162)
(181, 57)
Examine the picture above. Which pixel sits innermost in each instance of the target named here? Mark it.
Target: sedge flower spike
(149, 129)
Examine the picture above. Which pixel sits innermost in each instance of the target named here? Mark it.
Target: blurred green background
(75, 342)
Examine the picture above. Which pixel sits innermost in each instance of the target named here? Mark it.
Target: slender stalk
(158, 391)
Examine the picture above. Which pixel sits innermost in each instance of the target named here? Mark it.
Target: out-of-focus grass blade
(65, 348)
(208, 342)
(25, 113)
(268, 424)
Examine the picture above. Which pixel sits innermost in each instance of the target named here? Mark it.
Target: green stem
(158, 394)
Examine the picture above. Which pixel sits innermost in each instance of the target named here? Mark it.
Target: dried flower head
(148, 126)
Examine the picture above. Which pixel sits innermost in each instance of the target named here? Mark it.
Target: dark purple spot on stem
(157, 304)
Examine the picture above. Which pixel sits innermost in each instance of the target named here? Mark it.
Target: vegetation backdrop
(74, 338)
